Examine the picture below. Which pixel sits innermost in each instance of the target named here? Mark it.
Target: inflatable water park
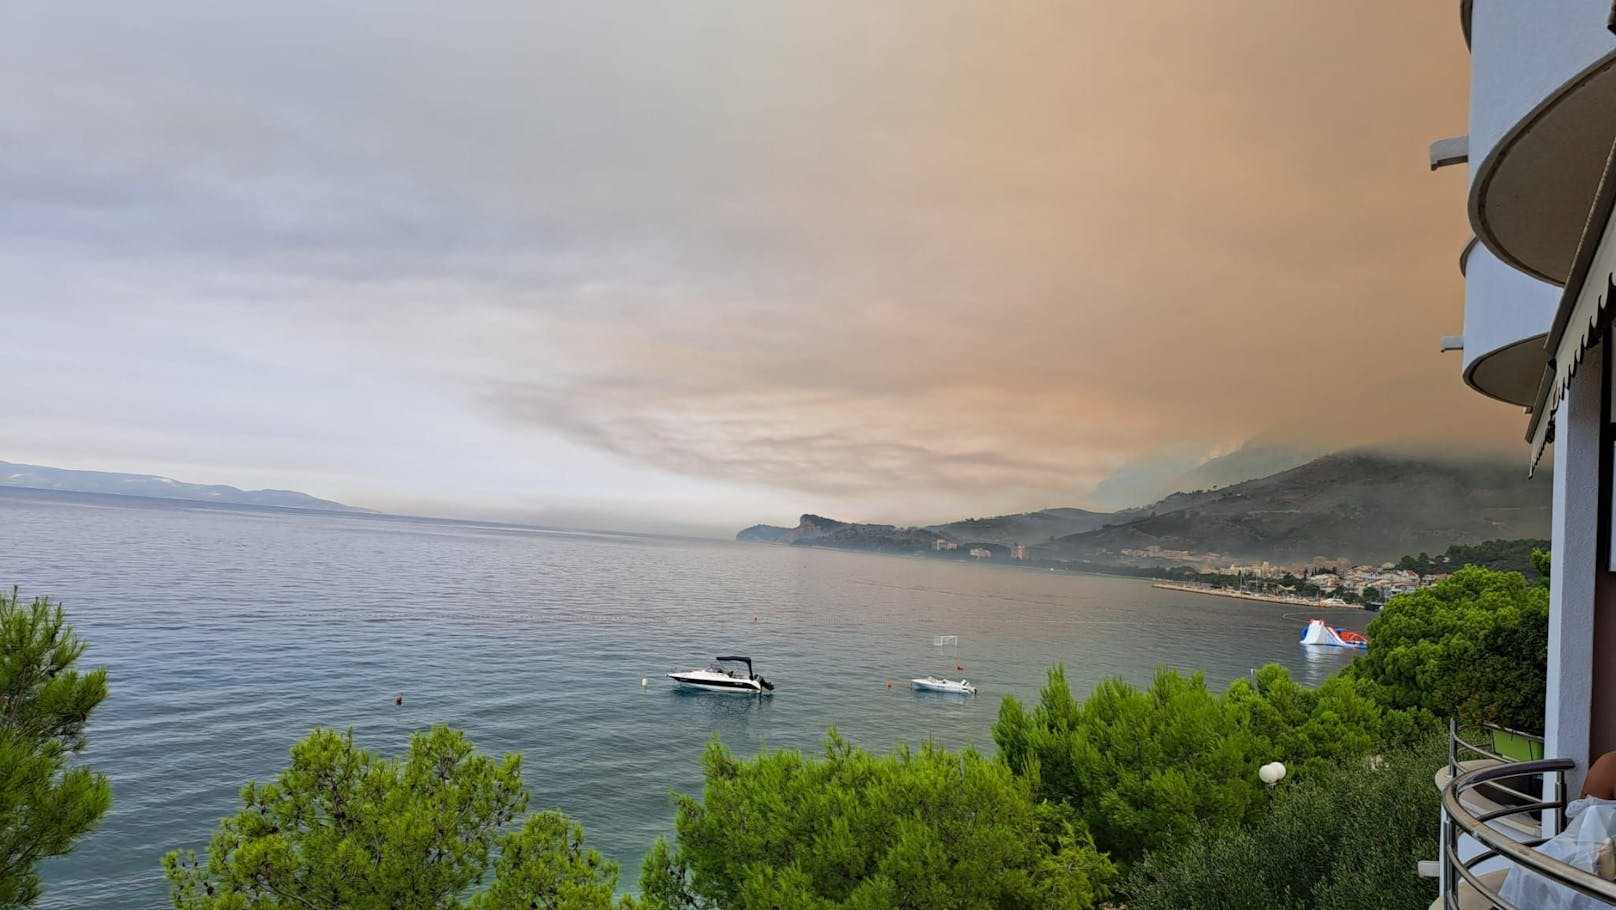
(1317, 633)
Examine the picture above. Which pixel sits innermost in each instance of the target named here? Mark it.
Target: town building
(981, 552)
(1324, 581)
(1536, 335)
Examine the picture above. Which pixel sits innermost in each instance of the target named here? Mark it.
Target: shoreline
(1242, 595)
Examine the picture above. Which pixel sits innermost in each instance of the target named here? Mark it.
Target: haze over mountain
(1349, 507)
(1145, 481)
(1025, 526)
(39, 477)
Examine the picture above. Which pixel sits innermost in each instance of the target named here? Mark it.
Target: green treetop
(926, 830)
(45, 803)
(1144, 768)
(344, 829)
(1474, 646)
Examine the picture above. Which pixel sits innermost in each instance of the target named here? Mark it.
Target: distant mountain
(1026, 527)
(1350, 506)
(38, 477)
(809, 527)
(1153, 479)
(818, 531)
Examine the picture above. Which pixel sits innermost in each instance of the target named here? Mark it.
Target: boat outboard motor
(764, 683)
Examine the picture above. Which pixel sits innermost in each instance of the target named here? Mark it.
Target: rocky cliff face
(809, 527)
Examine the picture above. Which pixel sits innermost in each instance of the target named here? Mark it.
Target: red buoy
(959, 667)
(889, 685)
(399, 700)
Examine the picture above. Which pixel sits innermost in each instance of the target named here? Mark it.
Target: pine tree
(46, 803)
(344, 829)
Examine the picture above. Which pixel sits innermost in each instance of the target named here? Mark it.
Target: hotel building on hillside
(1539, 276)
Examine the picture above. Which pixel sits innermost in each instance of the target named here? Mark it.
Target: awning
(1583, 314)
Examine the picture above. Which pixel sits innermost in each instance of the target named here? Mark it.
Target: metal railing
(1458, 747)
(1460, 820)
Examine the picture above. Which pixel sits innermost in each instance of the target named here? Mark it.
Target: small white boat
(719, 678)
(933, 684)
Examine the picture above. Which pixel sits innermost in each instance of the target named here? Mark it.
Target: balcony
(1507, 316)
(1493, 807)
(1543, 117)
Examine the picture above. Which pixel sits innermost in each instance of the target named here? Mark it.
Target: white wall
(1520, 51)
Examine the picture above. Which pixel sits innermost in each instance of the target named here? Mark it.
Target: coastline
(1245, 595)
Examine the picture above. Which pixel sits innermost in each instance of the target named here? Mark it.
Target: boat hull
(712, 682)
(943, 685)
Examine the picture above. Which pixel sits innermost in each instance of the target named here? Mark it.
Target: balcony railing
(1486, 803)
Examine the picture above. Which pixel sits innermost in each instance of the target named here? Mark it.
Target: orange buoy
(960, 667)
(399, 700)
(889, 685)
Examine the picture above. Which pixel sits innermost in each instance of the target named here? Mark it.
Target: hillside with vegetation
(1502, 555)
(1347, 508)
(1351, 507)
(1024, 527)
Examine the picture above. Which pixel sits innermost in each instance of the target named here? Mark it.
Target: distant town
(1365, 586)
(1313, 583)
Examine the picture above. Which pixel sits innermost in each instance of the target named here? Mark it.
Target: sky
(681, 265)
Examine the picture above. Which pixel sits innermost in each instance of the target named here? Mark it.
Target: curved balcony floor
(1530, 196)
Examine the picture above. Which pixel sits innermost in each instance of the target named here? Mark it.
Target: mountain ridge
(1354, 506)
(42, 477)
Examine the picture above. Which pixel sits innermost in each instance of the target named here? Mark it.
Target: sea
(230, 632)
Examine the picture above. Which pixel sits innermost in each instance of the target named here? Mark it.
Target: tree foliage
(1345, 839)
(1140, 768)
(342, 828)
(46, 803)
(1474, 646)
(927, 830)
(1501, 555)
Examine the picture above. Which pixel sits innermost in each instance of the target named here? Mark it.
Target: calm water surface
(229, 633)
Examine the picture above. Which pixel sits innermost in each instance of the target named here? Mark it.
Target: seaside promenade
(1330, 604)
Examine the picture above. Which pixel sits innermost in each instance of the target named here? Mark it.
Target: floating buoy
(960, 667)
(889, 684)
(754, 617)
(644, 682)
(399, 700)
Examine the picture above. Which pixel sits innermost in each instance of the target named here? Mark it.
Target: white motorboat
(719, 678)
(933, 684)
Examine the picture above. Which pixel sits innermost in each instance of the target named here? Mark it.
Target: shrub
(1140, 768)
(1344, 840)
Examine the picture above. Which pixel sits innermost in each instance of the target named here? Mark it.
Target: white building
(1536, 335)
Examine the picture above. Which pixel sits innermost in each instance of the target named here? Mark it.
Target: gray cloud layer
(916, 256)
